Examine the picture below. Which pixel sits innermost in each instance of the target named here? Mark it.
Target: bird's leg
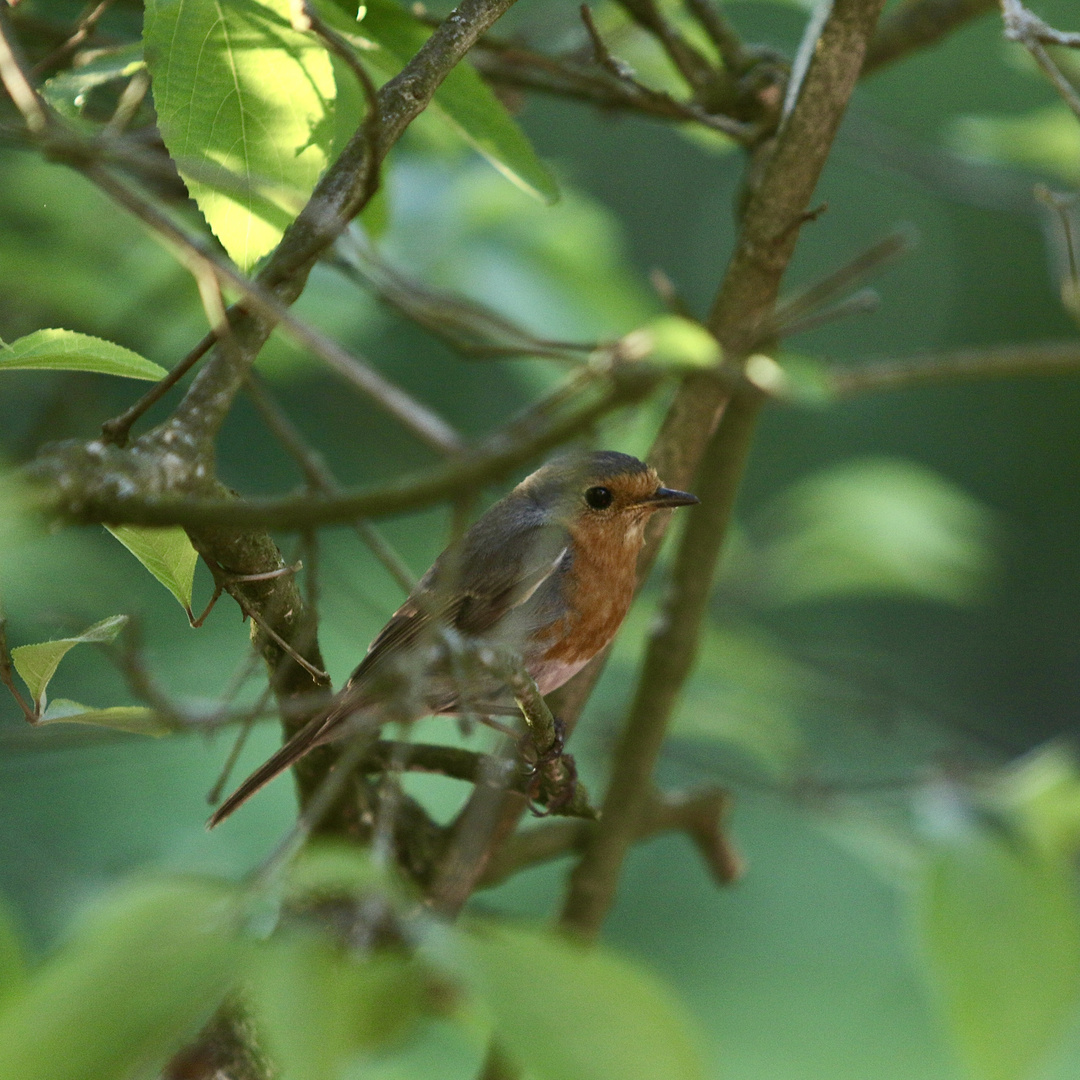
(552, 781)
(556, 769)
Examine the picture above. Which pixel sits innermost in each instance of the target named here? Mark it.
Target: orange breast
(598, 590)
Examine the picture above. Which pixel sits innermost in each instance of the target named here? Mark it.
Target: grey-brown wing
(502, 563)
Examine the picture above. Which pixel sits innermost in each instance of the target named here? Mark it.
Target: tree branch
(668, 661)
(97, 483)
(915, 24)
(743, 307)
(700, 814)
(960, 365)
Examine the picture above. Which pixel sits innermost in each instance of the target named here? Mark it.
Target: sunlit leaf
(1040, 793)
(36, 664)
(317, 1005)
(167, 553)
(463, 98)
(137, 979)
(876, 527)
(568, 260)
(137, 719)
(67, 92)
(1001, 934)
(1047, 139)
(671, 341)
(567, 1011)
(65, 350)
(326, 870)
(806, 379)
(245, 106)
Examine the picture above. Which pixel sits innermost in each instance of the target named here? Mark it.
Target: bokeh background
(900, 604)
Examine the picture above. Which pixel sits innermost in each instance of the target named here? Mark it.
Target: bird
(549, 572)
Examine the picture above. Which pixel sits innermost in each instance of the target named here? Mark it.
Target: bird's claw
(552, 784)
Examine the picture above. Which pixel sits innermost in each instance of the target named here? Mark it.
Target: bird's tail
(307, 738)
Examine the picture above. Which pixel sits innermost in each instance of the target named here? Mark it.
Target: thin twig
(709, 85)
(728, 125)
(84, 29)
(700, 814)
(247, 609)
(17, 82)
(471, 328)
(861, 303)
(1029, 30)
(960, 365)
(118, 429)
(133, 95)
(511, 65)
(490, 461)
(247, 722)
(722, 34)
(1026, 27)
(915, 24)
(310, 20)
(845, 277)
(7, 674)
(320, 478)
(414, 416)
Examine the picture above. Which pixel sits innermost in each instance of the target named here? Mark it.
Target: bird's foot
(552, 784)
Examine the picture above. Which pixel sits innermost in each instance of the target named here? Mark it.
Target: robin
(549, 571)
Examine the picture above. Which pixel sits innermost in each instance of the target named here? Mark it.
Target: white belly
(551, 674)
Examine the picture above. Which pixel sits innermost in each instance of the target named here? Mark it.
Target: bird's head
(601, 494)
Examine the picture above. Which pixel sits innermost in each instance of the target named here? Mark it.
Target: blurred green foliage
(897, 618)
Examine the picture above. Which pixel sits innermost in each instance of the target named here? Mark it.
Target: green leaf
(463, 99)
(569, 271)
(876, 527)
(1001, 933)
(245, 106)
(167, 553)
(326, 870)
(134, 718)
(567, 1011)
(318, 1006)
(67, 91)
(139, 977)
(36, 664)
(1046, 139)
(65, 350)
(1040, 794)
(672, 341)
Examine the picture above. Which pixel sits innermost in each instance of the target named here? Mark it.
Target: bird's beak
(664, 497)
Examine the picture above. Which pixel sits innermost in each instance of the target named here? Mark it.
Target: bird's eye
(599, 498)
